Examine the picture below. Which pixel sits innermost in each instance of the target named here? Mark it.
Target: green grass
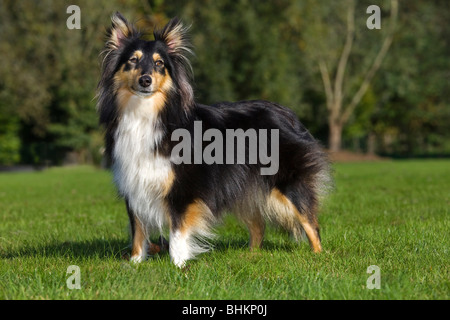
(391, 214)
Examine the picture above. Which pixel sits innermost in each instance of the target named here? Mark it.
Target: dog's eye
(133, 60)
(159, 63)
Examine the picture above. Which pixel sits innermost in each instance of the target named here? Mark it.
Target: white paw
(136, 259)
(180, 263)
(179, 249)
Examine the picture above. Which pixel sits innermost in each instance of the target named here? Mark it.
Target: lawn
(392, 214)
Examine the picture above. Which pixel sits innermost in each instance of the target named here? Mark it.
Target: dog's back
(290, 197)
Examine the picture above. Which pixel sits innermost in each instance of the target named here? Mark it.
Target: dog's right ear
(120, 31)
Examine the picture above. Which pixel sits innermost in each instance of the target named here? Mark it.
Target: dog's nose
(145, 81)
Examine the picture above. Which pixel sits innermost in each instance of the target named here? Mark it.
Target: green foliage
(245, 49)
(241, 51)
(360, 124)
(413, 108)
(9, 141)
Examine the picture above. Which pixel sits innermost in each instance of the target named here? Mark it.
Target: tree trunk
(339, 116)
(335, 137)
(371, 143)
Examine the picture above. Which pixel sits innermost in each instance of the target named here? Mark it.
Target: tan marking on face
(120, 78)
(162, 85)
(138, 54)
(123, 97)
(126, 79)
(127, 83)
(162, 82)
(159, 101)
(157, 57)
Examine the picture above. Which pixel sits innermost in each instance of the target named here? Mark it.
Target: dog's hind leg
(311, 228)
(290, 215)
(305, 207)
(256, 226)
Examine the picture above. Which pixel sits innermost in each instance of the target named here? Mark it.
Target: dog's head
(145, 68)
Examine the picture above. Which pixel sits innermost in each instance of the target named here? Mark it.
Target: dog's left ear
(175, 36)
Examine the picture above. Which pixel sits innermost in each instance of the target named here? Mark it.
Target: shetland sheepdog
(144, 96)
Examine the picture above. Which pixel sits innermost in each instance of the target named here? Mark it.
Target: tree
(412, 110)
(318, 59)
(343, 90)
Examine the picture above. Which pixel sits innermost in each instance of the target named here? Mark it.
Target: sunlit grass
(391, 214)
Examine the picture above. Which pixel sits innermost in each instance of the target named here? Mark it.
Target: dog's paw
(138, 258)
(179, 262)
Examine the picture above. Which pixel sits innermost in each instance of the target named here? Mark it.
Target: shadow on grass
(118, 249)
(98, 248)
(237, 244)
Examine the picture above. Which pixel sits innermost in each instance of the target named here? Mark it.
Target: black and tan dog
(144, 96)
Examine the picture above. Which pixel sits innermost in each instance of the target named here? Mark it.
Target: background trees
(245, 49)
(344, 85)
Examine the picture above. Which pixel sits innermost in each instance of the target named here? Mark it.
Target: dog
(145, 96)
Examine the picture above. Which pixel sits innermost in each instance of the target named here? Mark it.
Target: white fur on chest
(139, 171)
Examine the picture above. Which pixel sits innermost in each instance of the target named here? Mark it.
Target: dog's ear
(120, 31)
(175, 36)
